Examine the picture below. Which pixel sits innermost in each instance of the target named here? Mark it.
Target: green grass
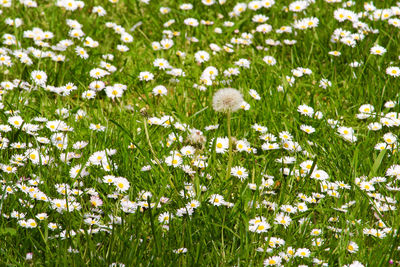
(213, 235)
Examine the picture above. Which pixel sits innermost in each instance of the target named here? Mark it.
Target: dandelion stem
(228, 171)
(222, 237)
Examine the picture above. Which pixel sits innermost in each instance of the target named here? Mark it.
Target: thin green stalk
(150, 146)
(154, 153)
(228, 170)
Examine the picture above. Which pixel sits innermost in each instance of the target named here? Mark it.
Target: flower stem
(228, 171)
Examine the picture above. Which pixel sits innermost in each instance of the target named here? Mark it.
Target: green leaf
(8, 230)
(377, 163)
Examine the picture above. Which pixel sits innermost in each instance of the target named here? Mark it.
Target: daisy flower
(15, 121)
(239, 172)
(180, 250)
(221, 145)
(114, 92)
(253, 93)
(320, 175)
(166, 43)
(308, 129)
(173, 160)
(302, 207)
(242, 145)
(259, 18)
(390, 104)
(352, 247)
(389, 138)
(216, 200)
(367, 186)
(126, 38)
(160, 90)
(145, 76)
(270, 146)
(164, 10)
(97, 127)
(302, 253)
(100, 11)
(201, 56)
(98, 73)
(259, 128)
(165, 217)
(366, 108)
(122, 48)
(156, 45)
(305, 110)
(271, 61)
(187, 151)
(88, 94)
(378, 50)
(345, 130)
(191, 22)
(193, 204)
(39, 77)
(334, 53)
(273, 261)
(298, 6)
(393, 71)
(285, 136)
(121, 183)
(97, 85)
(283, 219)
(260, 227)
(81, 52)
(9, 169)
(161, 63)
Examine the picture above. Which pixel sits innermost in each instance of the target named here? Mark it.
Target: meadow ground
(120, 147)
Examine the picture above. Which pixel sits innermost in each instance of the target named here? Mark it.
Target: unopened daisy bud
(143, 112)
(29, 256)
(196, 137)
(227, 99)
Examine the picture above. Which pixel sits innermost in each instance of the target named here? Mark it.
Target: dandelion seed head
(227, 99)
